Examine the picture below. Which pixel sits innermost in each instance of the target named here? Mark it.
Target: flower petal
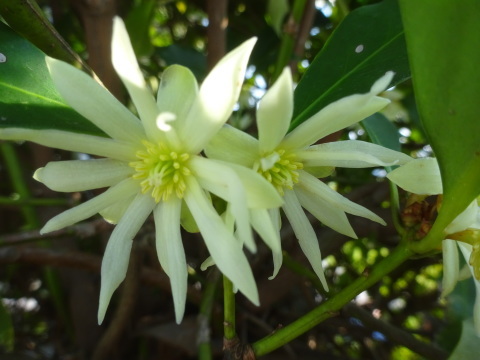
(466, 250)
(224, 182)
(126, 66)
(339, 115)
(69, 141)
(421, 176)
(275, 112)
(277, 256)
(451, 266)
(218, 94)
(330, 216)
(265, 227)
(113, 213)
(177, 91)
(467, 219)
(91, 207)
(80, 175)
(305, 234)
(222, 245)
(170, 251)
(117, 253)
(315, 186)
(94, 102)
(233, 145)
(351, 154)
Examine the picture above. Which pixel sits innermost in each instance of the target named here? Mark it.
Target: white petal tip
(38, 175)
(382, 83)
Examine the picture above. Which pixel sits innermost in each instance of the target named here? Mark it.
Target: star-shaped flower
(155, 165)
(422, 176)
(292, 163)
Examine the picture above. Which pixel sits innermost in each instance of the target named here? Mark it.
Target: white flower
(422, 176)
(154, 165)
(292, 164)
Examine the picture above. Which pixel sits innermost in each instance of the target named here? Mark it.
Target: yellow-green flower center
(280, 168)
(161, 171)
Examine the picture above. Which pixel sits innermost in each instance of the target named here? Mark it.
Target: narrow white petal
(467, 219)
(338, 115)
(224, 182)
(222, 245)
(421, 176)
(466, 250)
(270, 234)
(177, 91)
(218, 94)
(315, 186)
(274, 112)
(351, 154)
(170, 251)
(126, 66)
(233, 145)
(451, 266)
(327, 214)
(305, 234)
(94, 102)
(69, 141)
(117, 253)
(277, 256)
(113, 213)
(89, 208)
(80, 175)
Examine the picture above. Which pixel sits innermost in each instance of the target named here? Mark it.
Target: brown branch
(37, 256)
(395, 334)
(217, 23)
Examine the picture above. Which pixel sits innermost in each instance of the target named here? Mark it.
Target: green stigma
(161, 171)
(280, 168)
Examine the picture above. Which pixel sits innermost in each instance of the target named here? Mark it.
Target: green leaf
(444, 53)
(181, 55)
(468, 347)
(28, 98)
(368, 43)
(382, 132)
(138, 25)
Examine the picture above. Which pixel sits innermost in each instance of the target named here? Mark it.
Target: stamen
(280, 168)
(161, 171)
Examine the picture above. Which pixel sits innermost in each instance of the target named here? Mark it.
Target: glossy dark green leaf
(444, 52)
(368, 43)
(28, 98)
(188, 57)
(382, 132)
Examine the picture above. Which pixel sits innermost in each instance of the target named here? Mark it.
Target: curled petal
(351, 154)
(89, 144)
(233, 145)
(450, 266)
(275, 112)
(170, 251)
(218, 94)
(89, 208)
(421, 176)
(80, 175)
(339, 115)
(305, 234)
(126, 66)
(117, 253)
(225, 250)
(94, 102)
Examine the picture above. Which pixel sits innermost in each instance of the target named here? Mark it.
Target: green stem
(228, 309)
(206, 306)
(330, 307)
(288, 40)
(395, 207)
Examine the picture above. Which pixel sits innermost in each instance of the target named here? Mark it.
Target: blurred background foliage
(49, 286)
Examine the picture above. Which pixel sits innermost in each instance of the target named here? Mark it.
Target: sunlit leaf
(442, 41)
(368, 43)
(28, 97)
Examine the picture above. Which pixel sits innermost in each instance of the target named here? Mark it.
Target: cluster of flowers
(181, 152)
